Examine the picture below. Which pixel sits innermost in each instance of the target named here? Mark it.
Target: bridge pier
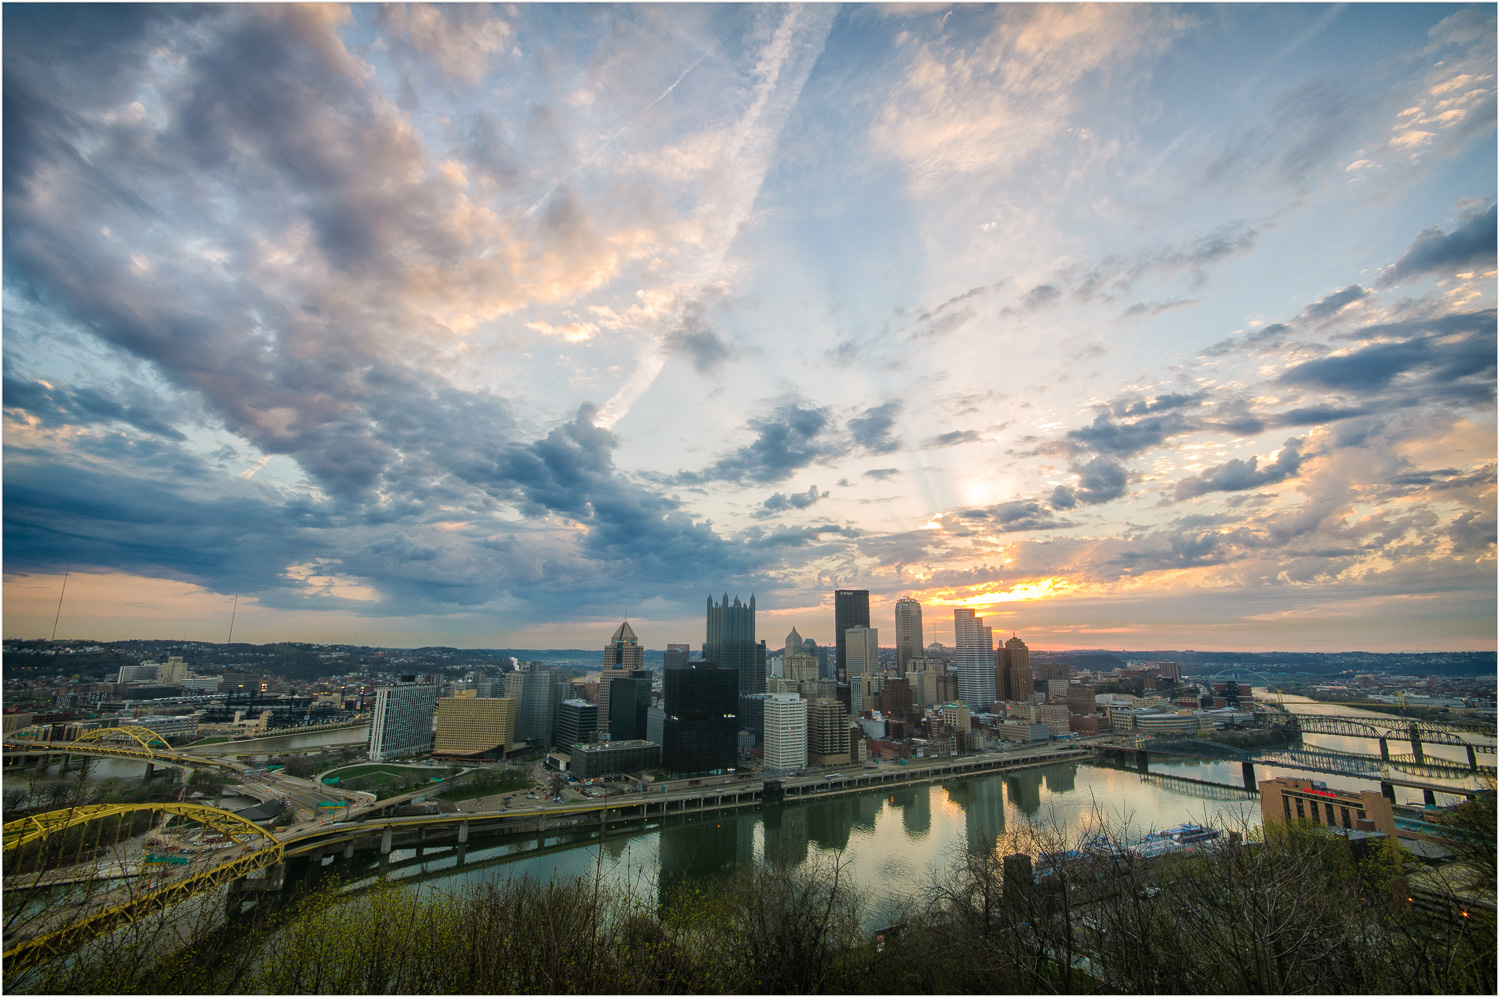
(1247, 768)
(1142, 761)
(150, 770)
(1416, 741)
(1388, 790)
(349, 849)
(1473, 762)
(1385, 750)
(385, 842)
(463, 832)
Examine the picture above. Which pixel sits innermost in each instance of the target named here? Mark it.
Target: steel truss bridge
(1435, 732)
(137, 743)
(61, 930)
(1315, 760)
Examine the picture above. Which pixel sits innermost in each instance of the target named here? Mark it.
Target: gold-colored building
(472, 726)
(1289, 799)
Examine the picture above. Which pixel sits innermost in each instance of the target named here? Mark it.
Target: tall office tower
(794, 644)
(537, 690)
(731, 643)
(577, 721)
(475, 726)
(896, 696)
(700, 732)
(402, 723)
(173, 671)
(827, 733)
(785, 732)
(850, 607)
(676, 657)
(975, 651)
(1081, 699)
(1015, 663)
(908, 632)
(801, 662)
(629, 699)
(622, 655)
(1055, 670)
(862, 651)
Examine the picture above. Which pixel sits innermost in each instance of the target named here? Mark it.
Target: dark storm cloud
(54, 406)
(872, 429)
(1237, 475)
(1471, 246)
(787, 440)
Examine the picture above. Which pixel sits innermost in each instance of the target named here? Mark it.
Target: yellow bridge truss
(115, 743)
(54, 937)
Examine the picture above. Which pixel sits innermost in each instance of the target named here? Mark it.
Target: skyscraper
(537, 690)
(701, 728)
(850, 607)
(975, 651)
(785, 732)
(731, 643)
(676, 657)
(908, 632)
(402, 722)
(622, 656)
(629, 700)
(1015, 665)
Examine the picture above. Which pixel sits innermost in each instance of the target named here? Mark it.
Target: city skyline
(1123, 326)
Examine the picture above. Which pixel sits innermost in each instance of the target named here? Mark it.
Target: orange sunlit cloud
(1020, 592)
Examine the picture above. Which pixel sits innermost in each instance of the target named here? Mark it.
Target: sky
(1128, 327)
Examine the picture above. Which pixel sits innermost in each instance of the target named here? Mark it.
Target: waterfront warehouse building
(402, 722)
(630, 755)
(785, 732)
(701, 728)
(1290, 799)
(471, 727)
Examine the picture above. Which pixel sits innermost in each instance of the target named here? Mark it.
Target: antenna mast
(57, 616)
(232, 611)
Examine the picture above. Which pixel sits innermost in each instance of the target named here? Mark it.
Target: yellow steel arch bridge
(56, 931)
(138, 743)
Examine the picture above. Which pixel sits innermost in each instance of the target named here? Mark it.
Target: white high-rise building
(402, 724)
(785, 732)
(975, 652)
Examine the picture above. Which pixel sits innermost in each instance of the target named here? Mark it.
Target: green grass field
(484, 784)
(385, 781)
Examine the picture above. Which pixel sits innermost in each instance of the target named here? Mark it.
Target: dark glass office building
(629, 699)
(701, 727)
(851, 607)
(731, 642)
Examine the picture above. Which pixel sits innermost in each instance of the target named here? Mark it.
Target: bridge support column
(1142, 761)
(463, 852)
(1416, 741)
(150, 770)
(1389, 791)
(463, 832)
(385, 841)
(1248, 769)
(1385, 750)
(1428, 797)
(349, 849)
(1473, 762)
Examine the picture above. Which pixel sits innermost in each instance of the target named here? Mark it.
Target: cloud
(1440, 359)
(787, 440)
(1237, 475)
(881, 474)
(872, 430)
(1327, 308)
(1100, 480)
(952, 439)
(1125, 439)
(1041, 296)
(1469, 247)
(698, 341)
(61, 406)
(779, 502)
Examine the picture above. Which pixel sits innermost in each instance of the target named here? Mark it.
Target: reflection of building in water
(916, 809)
(828, 822)
(1061, 779)
(866, 808)
(702, 848)
(1026, 790)
(785, 831)
(983, 804)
